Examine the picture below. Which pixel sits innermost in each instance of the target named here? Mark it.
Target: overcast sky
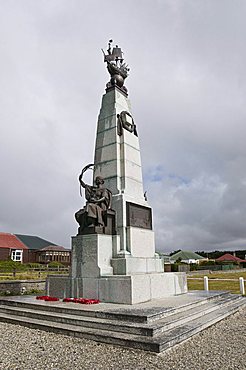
(187, 86)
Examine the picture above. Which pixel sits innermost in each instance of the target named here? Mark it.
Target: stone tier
(123, 289)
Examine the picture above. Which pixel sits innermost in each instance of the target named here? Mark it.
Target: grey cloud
(187, 87)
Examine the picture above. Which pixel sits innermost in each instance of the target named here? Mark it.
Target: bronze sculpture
(98, 201)
(118, 70)
(125, 121)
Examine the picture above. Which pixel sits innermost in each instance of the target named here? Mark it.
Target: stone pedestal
(133, 289)
(123, 289)
(91, 255)
(95, 274)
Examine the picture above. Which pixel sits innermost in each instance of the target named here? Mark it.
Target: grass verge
(222, 284)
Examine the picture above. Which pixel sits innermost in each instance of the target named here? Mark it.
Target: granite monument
(113, 254)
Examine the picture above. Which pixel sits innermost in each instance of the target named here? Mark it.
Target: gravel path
(221, 347)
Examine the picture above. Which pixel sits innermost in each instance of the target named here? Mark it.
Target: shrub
(34, 265)
(9, 266)
(193, 267)
(55, 264)
(207, 263)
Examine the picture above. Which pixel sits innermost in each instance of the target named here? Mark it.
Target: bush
(207, 263)
(9, 266)
(193, 267)
(55, 264)
(34, 265)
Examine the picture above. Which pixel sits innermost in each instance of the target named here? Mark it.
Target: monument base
(96, 274)
(132, 289)
(91, 255)
(137, 265)
(123, 289)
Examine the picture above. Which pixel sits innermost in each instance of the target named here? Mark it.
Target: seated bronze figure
(98, 200)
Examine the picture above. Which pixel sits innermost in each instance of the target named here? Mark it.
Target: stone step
(87, 322)
(148, 329)
(183, 307)
(157, 343)
(110, 337)
(184, 332)
(141, 313)
(195, 312)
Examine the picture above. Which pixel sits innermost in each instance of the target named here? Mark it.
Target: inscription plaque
(138, 216)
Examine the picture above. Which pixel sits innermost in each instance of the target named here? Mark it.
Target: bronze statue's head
(99, 180)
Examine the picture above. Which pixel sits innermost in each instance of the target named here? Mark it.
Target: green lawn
(222, 284)
(29, 275)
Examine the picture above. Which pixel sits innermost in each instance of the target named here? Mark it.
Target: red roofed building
(53, 253)
(29, 248)
(12, 247)
(230, 258)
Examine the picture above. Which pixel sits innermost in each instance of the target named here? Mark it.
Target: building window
(16, 255)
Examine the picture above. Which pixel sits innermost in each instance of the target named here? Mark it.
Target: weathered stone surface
(59, 286)
(141, 242)
(132, 289)
(110, 146)
(91, 255)
(136, 265)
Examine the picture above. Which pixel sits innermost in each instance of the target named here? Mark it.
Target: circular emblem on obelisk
(125, 121)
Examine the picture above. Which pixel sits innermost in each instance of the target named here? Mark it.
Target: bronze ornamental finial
(118, 70)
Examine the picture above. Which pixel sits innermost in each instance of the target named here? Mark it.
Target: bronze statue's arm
(82, 183)
(99, 200)
(106, 198)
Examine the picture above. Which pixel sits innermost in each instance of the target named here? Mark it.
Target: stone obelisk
(113, 255)
(118, 159)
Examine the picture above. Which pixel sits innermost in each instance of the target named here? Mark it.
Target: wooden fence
(205, 279)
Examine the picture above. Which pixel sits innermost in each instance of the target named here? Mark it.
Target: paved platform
(154, 326)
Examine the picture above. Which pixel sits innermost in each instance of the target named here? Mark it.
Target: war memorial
(114, 261)
(113, 255)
